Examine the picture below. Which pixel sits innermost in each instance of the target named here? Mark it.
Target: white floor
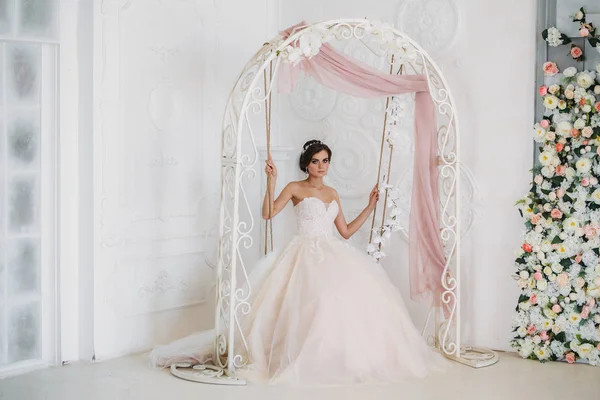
(131, 378)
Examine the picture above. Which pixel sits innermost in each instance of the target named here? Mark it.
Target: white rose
(584, 80)
(537, 339)
(551, 102)
(551, 277)
(593, 180)
(546, 158)
(538, 179)
(547, 270)
(542, 284)
(596, 196)
(564, 128)
(579, 15)
(539, 229)
(569, 72)
(553, 89)
(524, 274)
(570, 224)
(550, 136)
(587, 132)
(586, 108)
(562, 236)
(585, 350)
(552, 196)
(569, 94)
(597, 88)
(557, 268)
(547, 207)
(539, 133)
(562, 105)
(522, 331)
(579, 124)
(584, 165)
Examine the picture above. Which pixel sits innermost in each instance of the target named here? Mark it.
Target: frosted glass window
(28, 115)
(37, 18)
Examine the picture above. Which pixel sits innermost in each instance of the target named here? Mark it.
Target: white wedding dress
(323, 313)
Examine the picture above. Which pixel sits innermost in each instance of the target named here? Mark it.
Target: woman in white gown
(325, 312)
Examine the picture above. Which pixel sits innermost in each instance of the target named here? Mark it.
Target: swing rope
(387, 102)
(269, 221)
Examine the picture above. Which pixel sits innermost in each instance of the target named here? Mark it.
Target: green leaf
(597, 251)
(523, 298)
(521, 260)
(545, 34)
(560, 337)
(556, 240)
(567, 198)
(566, 262)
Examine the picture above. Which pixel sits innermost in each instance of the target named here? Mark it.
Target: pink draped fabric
(347, 75)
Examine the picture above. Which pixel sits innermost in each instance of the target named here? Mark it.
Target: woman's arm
(284, 196)
(347, 230)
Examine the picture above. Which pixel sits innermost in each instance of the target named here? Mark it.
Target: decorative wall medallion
(431, 23)
(312, 101)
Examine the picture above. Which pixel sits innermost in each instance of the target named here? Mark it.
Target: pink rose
(578, 258)
(598, 151)
(598, 347)
(576, 52)
(590, 231)
(543, 90)
(591, 303)
(536, 218)
(583, 32)
(544, 336)
(585, 182)
(585, 142)
(537, 276)
(597, 106)
(527, 247)
(544, 123)
(550, 68)
(559, 147)
(556, 213)
(560, 193)
(570, 357)
(533, 299)
(585, 312)
(531, 329)
(574, 132)
(582, 102)
(561, 170)
(562, 279)
(556, 308)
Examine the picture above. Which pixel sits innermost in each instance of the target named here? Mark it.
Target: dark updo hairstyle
(309, 149)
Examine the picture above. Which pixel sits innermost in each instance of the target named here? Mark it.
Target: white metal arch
(240, 157)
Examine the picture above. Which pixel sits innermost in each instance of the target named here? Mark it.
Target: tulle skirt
(323, 312)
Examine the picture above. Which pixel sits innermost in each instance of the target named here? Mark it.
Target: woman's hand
(373, 198)
(270, 168)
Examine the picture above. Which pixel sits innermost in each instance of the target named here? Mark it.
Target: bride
(324, 312)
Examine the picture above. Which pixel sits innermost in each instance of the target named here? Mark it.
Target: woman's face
(319, 164)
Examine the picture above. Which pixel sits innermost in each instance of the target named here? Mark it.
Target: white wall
(162, 71)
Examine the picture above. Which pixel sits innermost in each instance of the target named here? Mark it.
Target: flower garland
(558, 263)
